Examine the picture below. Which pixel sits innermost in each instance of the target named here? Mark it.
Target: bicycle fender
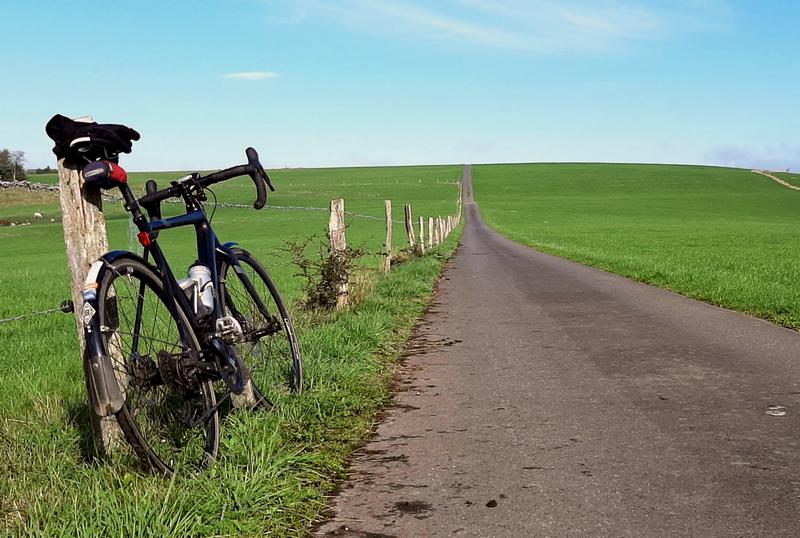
(114, 255)
(105, 395)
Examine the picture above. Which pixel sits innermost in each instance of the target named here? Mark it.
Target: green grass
(792, 179)
(722, 235)
(274, 468)
(51, 178)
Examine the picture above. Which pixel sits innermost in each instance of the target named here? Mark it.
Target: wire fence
(118, 199)
(65, 307)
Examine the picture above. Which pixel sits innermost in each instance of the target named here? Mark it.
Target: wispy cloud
(779, 157)
(537, 26)
(251, 75)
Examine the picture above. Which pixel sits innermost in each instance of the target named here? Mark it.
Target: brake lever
(267, 180)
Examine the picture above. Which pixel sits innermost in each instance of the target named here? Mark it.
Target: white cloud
(774, 157)
(251, 75)
(537, 26)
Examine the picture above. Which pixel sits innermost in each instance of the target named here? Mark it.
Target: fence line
(27, 185)
(439, 229)
(66, 307)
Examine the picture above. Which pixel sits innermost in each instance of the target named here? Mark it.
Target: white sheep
(37, 215)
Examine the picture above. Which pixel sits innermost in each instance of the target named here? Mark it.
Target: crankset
(232, 370)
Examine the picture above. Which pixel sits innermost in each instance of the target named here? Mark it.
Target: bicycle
(157, 345)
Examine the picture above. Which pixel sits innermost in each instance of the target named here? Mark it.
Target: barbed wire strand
(291, 208)
(115, 198)
(65, 307)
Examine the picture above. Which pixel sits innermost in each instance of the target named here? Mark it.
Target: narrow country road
(545, 398)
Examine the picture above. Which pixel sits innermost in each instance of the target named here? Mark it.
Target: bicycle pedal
(229, 330)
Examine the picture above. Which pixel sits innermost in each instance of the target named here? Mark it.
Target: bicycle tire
(169, 418)
(273, 360)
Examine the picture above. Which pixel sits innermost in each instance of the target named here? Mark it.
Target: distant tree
(6, 165)
(12, 165)
(18, 158)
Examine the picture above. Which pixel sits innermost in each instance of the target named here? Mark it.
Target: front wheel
(268, 346)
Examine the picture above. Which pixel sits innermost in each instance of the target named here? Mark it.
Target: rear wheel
(169, 416)
(269, 346)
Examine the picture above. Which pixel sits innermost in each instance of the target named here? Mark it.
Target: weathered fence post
(387, 260)
(410, 227)
(85, 241)
(421, 235)
(459, 202)
(338, 246)
(431, 233)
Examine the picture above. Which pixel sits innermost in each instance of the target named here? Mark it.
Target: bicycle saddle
(91, 141)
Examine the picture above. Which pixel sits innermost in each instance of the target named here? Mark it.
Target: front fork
(239, 374)
(233, 261)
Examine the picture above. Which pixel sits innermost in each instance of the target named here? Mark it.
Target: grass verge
(274, 470)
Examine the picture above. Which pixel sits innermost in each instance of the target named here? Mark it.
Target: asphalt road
(545, 398)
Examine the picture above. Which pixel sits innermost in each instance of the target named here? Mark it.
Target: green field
(788, 177)
(722, 235)
(726, 236)
(274, 468)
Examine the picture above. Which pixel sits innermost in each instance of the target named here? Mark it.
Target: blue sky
(361, 82)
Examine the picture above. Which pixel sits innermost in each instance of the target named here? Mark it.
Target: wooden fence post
(85, 241)
(387, 261)
(460, 200)
(421, 235)
(410, 227)
(338, 246)
(459, 204)
(431, 233)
